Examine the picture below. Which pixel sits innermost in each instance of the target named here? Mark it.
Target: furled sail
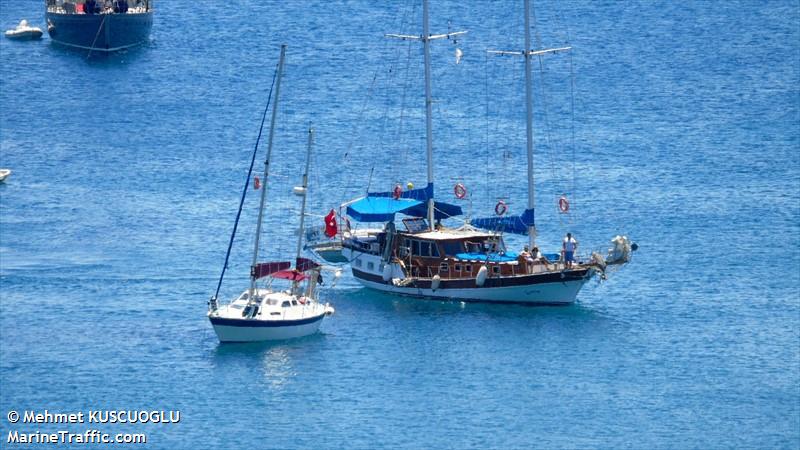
(507, 224)
(262, 270)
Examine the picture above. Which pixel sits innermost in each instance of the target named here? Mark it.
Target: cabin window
(434, 250)
(443, 267)
(425, 249)
(358, 262)
(272, 302)
(370, 265)
(452, 248)
(457, 267)
(495, 269)
(415, 248)
(286, 304)
(468, 268)
(294, 302)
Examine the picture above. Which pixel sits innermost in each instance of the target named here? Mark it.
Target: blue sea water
(683, 134)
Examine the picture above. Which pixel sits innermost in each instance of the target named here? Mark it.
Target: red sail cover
(330, 224)
(305, 264)
(261, 270)
(290, 275)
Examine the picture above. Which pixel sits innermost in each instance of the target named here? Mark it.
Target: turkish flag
(256, 183)
(330, 224)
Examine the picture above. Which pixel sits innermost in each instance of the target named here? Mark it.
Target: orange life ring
(563, 204)
(460, 191)
(500, 208)
(397, 192)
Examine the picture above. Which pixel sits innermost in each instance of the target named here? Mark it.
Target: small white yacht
(268, 315)
(265, 313)
(4, 173)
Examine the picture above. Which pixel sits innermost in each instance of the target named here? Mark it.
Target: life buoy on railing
(397, 192)
(500, 208)
(563, 204)
(460, 191)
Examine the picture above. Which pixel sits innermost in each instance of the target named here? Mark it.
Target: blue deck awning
(382, 206)
(379, 209)
(496, 257)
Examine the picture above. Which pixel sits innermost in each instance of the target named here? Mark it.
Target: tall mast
(528, 53)
(428, 106)
(266, 166)
(426, 37)
(304, 192)
(529, 120)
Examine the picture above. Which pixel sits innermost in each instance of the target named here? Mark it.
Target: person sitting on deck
(89, 7)
(525, 259)
(539, 257)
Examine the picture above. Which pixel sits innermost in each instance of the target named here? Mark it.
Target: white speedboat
(4, 173)
(24, 32)
(267, 313)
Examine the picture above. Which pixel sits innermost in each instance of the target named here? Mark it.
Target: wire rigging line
(246, 186)
(351, 185)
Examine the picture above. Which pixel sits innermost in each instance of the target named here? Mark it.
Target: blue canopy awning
(382, 206)
(508, 224)
(379, 209)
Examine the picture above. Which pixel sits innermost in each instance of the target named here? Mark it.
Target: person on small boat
(569, 246)
(537, 256)
(90, 6)
(526, 259)
(121, 6)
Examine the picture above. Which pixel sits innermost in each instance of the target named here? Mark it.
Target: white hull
(560, 293)
(260, 333)
(542, 289)
(279, 316)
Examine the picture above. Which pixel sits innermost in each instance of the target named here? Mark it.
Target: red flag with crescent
(330, 224)
(256, 183)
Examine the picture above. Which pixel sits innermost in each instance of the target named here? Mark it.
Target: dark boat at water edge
(99, 25)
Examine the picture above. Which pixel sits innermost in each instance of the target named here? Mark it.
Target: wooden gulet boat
(469, 263)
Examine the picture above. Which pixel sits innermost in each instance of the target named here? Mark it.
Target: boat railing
(101, 6)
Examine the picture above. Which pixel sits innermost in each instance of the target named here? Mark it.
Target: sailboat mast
(428, 106)
(266, 165)
(304, 193)
(529, 120)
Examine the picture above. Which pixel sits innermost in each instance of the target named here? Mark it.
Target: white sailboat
(469, 263)
(268, 313)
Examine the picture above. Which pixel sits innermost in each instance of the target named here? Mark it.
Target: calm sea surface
(681, 130)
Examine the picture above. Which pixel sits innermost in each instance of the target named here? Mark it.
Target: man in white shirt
(569, 247)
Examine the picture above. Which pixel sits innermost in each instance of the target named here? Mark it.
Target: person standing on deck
(569, 247)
